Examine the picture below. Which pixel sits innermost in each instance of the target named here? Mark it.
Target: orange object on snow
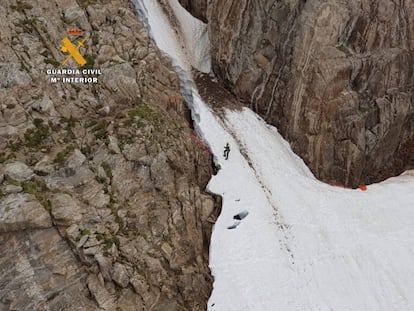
(362, 187)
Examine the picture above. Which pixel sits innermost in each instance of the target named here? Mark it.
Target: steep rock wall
(334, 76)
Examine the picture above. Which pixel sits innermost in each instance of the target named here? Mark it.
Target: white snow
(194, 36)
(187, 42)
(304, 245)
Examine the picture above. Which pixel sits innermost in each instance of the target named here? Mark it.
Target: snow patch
(180, 35)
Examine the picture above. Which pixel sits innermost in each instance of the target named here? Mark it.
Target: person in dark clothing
(226, 151)
(216, 167)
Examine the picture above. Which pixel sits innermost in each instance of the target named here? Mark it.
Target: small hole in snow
(241, 215)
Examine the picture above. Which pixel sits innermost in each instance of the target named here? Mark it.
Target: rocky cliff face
(334, 76)
(101, 185)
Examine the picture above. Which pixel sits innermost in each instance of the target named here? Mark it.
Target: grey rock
(105, 266)
(113, 145)
(45, 105)
(73, 233)
(120, 275)
(10, 75)
(129, 301)
(9, 189)
(18, 171)
(105, 54)
(72, 14)
(65, 210)
(21, 212)
(82, 241)
(41, 264)
(76, 159)
(92, 251)
(104, 111)
(161, 171)
(44, 166)
(121, 77)
(208, 206)
(104, 299)
(97, 15)
(139, 283)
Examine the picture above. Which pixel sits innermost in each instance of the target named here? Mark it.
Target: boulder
(103, 298)
(8, 189)
(22, 211)
(120, 275)
(105, 266)
(65, 210)
(18, 171)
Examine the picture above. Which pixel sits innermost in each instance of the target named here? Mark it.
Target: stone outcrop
(101, 185)
(18, 171)
(39, 272)
(21, 212)
(335, 77)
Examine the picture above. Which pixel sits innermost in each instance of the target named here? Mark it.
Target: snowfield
(304, 245)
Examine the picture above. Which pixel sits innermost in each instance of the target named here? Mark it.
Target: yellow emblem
(73, 51)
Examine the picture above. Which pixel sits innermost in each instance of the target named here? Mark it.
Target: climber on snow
(216, 168)
(226, 151)
(215, 165)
